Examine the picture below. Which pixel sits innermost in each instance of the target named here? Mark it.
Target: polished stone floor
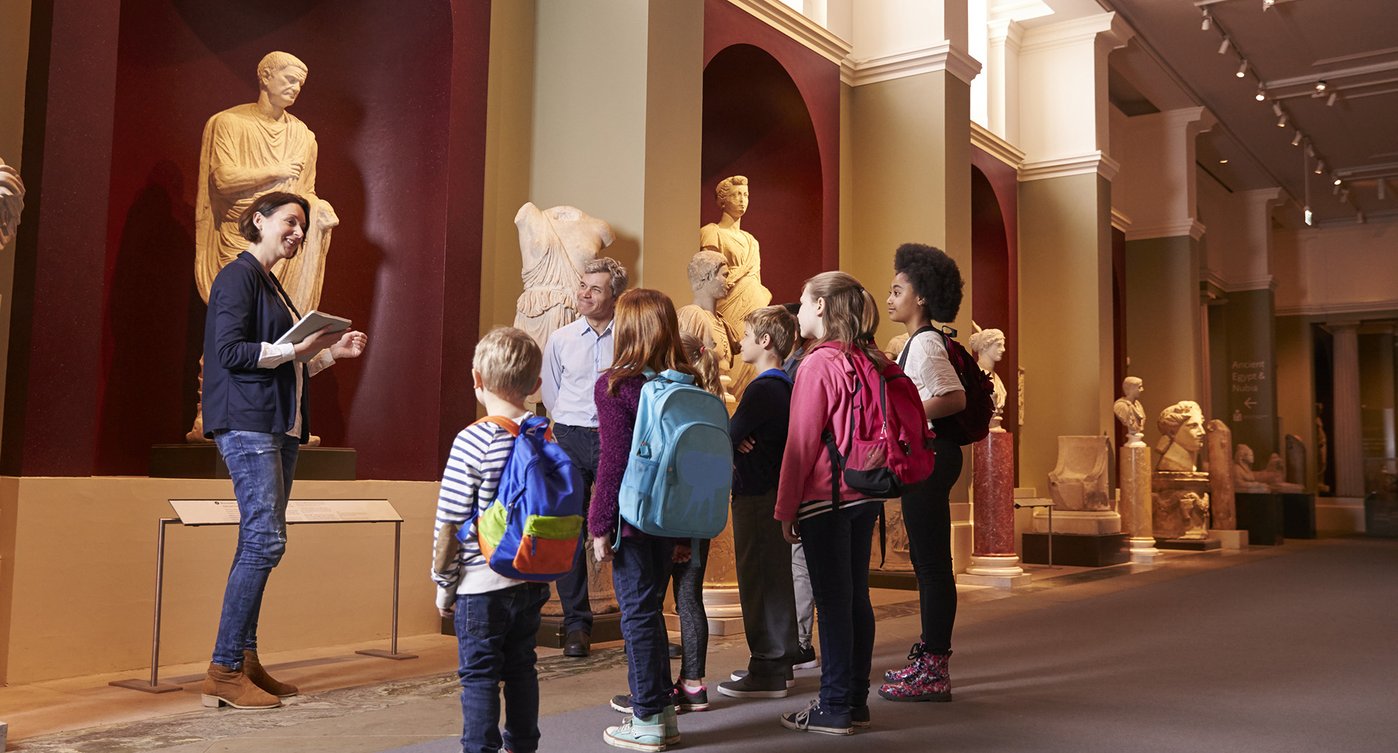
(355, 703)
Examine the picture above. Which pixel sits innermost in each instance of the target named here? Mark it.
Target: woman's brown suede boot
(255, 672)
(224, 686)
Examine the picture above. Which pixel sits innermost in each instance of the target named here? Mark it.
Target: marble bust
(555, 245)
(988, 346)
(708, 282)
(740, 250)
(11, 202)
(1182, 427)
(1129, 411)
(250, 150)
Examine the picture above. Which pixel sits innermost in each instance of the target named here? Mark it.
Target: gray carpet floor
(1287, 653)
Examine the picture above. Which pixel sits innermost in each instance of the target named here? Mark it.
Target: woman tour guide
(255, 409)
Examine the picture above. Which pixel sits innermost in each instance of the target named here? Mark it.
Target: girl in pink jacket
(840, 317)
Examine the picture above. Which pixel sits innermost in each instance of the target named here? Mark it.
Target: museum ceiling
(1326, 71)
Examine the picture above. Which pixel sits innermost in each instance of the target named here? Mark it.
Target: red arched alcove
(756, 124)
(993, 286)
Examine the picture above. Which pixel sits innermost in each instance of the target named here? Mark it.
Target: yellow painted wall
(1065, 316)
(1163, 334)
(508, 157)
(14, 64)
(77, 571)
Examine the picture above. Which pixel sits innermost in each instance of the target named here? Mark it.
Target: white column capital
(938, 57)
(1092, 163)
(798, 27)
(1005, 31)
(1107, 30)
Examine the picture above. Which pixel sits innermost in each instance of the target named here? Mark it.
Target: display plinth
(204, 461)
(1088, 522)
(1189, 545)
(1080, 550)
(899, 580)
(1262, 516)
(1229, 538)
(995, 571)
(1298, 515)
(1381, 515)
(605, 627)
(724, 610)
(1135, 501)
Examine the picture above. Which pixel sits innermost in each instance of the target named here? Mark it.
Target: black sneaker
(622, 703)
(577, 644)
(686, 700)
(752, 687)
(739, 674)
(859, 716)
(816, 719)
(806, 658)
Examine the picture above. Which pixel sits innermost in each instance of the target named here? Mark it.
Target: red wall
(772, 113)
(995, 260)
(399, 118)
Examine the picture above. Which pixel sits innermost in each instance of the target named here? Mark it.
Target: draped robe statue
(248, 151)
(554, 245)
(740, 250)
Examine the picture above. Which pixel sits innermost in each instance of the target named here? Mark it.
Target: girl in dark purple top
(646, 338)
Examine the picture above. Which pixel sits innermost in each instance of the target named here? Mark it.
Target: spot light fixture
(1267, 4)
(1208, 22)
(1276, 109)
(1281, 121)
(1320, 86)
(1320, 167)
(1337, 180)
(1242, 69)
(1261, 95)
(1383, 189)
(1330, 101)
(1296, 139)
(1223, 47)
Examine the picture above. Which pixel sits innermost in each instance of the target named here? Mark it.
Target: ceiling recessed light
(1223, 161)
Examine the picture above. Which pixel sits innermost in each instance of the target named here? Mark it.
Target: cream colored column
(617, 126)
(1346, 445)
(910, 140)
(1002, 78)
(1065, 236)
(1157, 188)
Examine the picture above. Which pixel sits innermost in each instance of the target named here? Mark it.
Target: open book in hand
(311, 323)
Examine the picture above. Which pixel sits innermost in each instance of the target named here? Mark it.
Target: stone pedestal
(1298, 515)
(1078, 522)
(1262, 516)
(993, 558)
(1135, 504)
(1229, 538)
(204, 461)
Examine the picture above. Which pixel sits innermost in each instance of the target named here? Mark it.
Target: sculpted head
(281, 75)
(1132, 387)
(732, 195)
(1243, 455)
(708, 273)
(988, 345)
(1184, 422)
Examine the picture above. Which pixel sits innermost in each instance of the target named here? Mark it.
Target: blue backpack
(680, 471)
(532, 530)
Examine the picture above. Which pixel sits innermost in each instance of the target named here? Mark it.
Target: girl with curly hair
(926, 290)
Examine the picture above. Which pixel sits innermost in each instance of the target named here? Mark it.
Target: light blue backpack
(680, 470)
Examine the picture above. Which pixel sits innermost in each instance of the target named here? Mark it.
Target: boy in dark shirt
(758, 431)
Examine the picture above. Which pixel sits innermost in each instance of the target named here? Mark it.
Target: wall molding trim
(990, 143)
(938, 57)
(1093, 163)
(796, 25)
(1120, 220)
(1175, 229)
(1381, 309)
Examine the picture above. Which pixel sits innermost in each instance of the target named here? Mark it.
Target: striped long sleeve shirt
(469, 482)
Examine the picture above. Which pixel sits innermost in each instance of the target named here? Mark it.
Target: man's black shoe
(577, 644)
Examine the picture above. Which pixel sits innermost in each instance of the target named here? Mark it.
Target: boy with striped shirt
(496, 617)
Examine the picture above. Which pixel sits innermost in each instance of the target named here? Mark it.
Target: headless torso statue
(739, 249)
(247, 151)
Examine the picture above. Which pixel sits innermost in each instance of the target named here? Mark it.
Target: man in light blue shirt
(574, 357)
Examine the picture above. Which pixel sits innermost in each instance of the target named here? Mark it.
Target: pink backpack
(888, 445)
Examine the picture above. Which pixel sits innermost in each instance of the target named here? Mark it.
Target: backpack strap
(502, 422)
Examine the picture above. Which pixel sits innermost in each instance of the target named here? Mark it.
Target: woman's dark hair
(267, 204)
(935, 278)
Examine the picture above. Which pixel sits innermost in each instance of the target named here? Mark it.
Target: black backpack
(972, 423)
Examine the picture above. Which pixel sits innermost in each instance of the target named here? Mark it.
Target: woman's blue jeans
(640, 572)
(261, 466)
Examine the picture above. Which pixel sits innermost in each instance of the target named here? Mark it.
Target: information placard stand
(214, 512)
(1049, 505)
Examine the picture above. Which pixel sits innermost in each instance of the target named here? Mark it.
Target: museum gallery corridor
(1285, 649)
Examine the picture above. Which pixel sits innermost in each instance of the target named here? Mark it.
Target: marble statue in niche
(1182, 427)
(708, 282)
(11, 202)
(554, 246)
(248, 151)
(988, 346)
(1129, 411)
(740, 250)
(1322, 449)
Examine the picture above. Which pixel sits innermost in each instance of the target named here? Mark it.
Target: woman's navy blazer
(246, 310)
